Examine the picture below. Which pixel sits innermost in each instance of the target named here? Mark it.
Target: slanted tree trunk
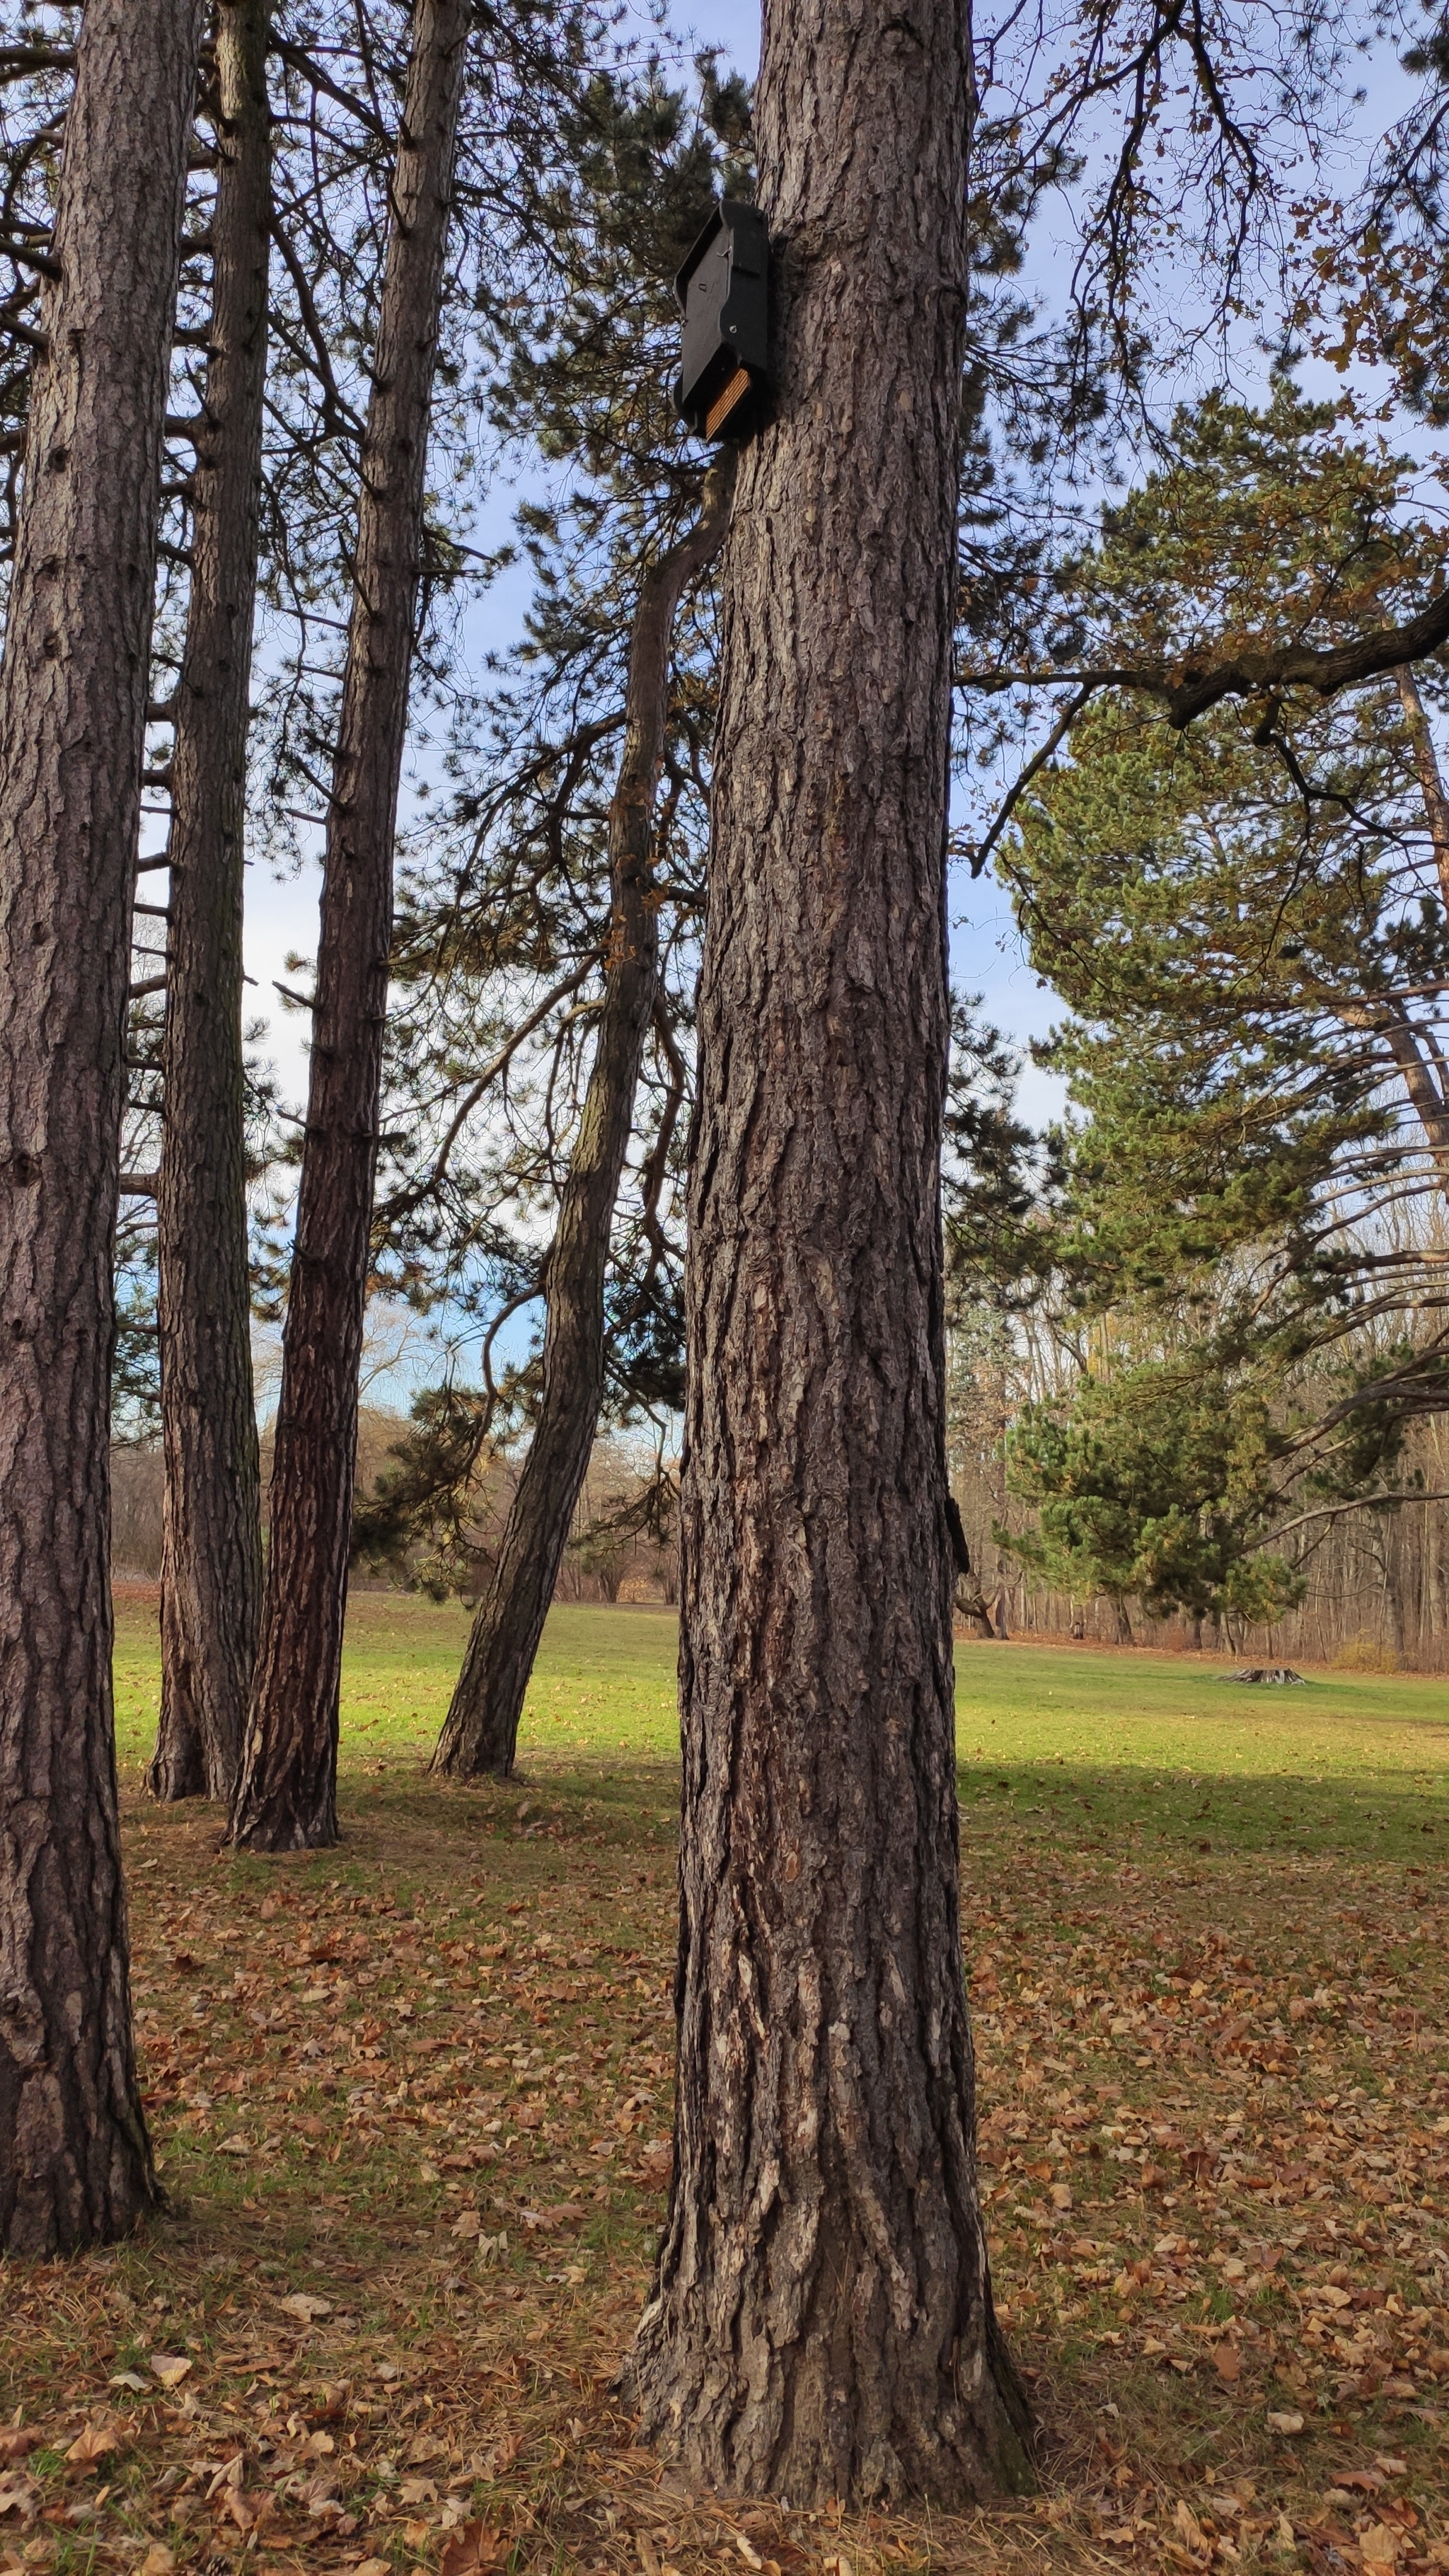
(821, 2322)
(1415, 1052)
(287, 1796)
(1426, 763)
(480, 1732)
(75, 2161)
(211, 1561)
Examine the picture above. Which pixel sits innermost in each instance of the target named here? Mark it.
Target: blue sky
(986, 954)
(282, 914)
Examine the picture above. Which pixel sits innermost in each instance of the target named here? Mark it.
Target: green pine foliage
(1243, 1240)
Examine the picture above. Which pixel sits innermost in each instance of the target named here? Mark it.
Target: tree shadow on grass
(1370, 1816)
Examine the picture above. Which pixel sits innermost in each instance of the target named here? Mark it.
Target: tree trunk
(211, 1563)
(1383, 1530)
(480, 1732)
(821, 2322)
(287, 1797)
(1410, 1047)
(75, 2161)
(1426, 763)
(1124, 1624)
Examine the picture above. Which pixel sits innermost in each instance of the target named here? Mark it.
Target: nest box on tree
(723, 291)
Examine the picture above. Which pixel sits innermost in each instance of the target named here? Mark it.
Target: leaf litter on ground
(412, 2102)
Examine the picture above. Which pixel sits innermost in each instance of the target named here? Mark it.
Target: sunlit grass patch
(1074, 1744)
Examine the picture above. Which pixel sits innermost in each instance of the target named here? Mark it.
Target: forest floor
(411, 2101)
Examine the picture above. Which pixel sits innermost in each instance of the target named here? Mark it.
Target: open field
(1082, 1742)
(412, 2101)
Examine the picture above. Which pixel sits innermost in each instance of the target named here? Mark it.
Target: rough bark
(287, 1796)
(821, 2322)
(480, 1732)
(75, 2161)
(211, 1565)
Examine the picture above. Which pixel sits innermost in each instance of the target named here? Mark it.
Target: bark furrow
(75, 2162)
(287, 1796)
(821, 2322)
(211, 1567)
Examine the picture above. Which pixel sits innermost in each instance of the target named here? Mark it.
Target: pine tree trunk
(211, 1564)
(1426, 764)
(821, 2322)
(480, 1732)
(75, 2161)
(287, 1797)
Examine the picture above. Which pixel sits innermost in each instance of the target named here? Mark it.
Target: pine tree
(211, 1573)
(286, 1795)
(480, 1732)
(1247, 919)
(75, 2162)
(556, 911)
(821, 2322)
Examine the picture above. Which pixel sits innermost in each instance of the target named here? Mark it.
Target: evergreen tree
(75, 2161)
(286, 1793)
(1247, 919)
(211, 1572)
(821, 2323)
(507, 952)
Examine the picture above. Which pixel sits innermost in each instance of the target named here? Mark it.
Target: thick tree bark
(287, 1796)
(75, 2162)
(480, 1732)
(821, 2322)
(211, 1564)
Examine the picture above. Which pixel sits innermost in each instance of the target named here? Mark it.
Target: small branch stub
(723, 291)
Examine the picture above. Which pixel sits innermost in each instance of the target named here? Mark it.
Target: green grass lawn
(1077, 1745)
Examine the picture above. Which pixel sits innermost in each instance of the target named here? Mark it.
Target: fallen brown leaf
(305, 2307)
(93, 2442)
(469, 2550)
